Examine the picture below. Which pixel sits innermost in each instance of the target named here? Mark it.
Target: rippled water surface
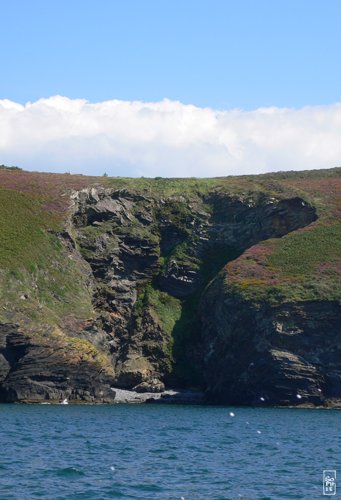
(165, 452)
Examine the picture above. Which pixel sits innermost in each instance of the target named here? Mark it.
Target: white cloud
(166, 138)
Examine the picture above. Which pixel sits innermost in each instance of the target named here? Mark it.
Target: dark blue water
(165, 452)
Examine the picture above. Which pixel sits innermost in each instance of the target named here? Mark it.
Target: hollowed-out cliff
(177, 289)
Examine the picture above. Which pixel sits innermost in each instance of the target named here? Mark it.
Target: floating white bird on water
(262, 399)
(259, 432)
(112, 468)
(232, 414)
(64, 402)
(298, 396)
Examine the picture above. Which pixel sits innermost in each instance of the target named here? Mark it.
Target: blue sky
(217, 53)
(170, 87)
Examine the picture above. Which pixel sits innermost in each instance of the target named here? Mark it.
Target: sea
(167, 452)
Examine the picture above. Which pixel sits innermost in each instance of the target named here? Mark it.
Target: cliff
(230, 286)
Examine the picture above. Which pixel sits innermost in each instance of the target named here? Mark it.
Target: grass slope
(305, 264)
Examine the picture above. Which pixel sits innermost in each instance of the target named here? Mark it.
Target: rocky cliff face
(149, 256)
(34, 369)
(159, 318)
(260, 354)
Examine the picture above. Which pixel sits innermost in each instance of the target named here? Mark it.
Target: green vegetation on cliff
(47, 264)
(37, 277)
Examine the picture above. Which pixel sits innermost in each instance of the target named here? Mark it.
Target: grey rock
(287, 354)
